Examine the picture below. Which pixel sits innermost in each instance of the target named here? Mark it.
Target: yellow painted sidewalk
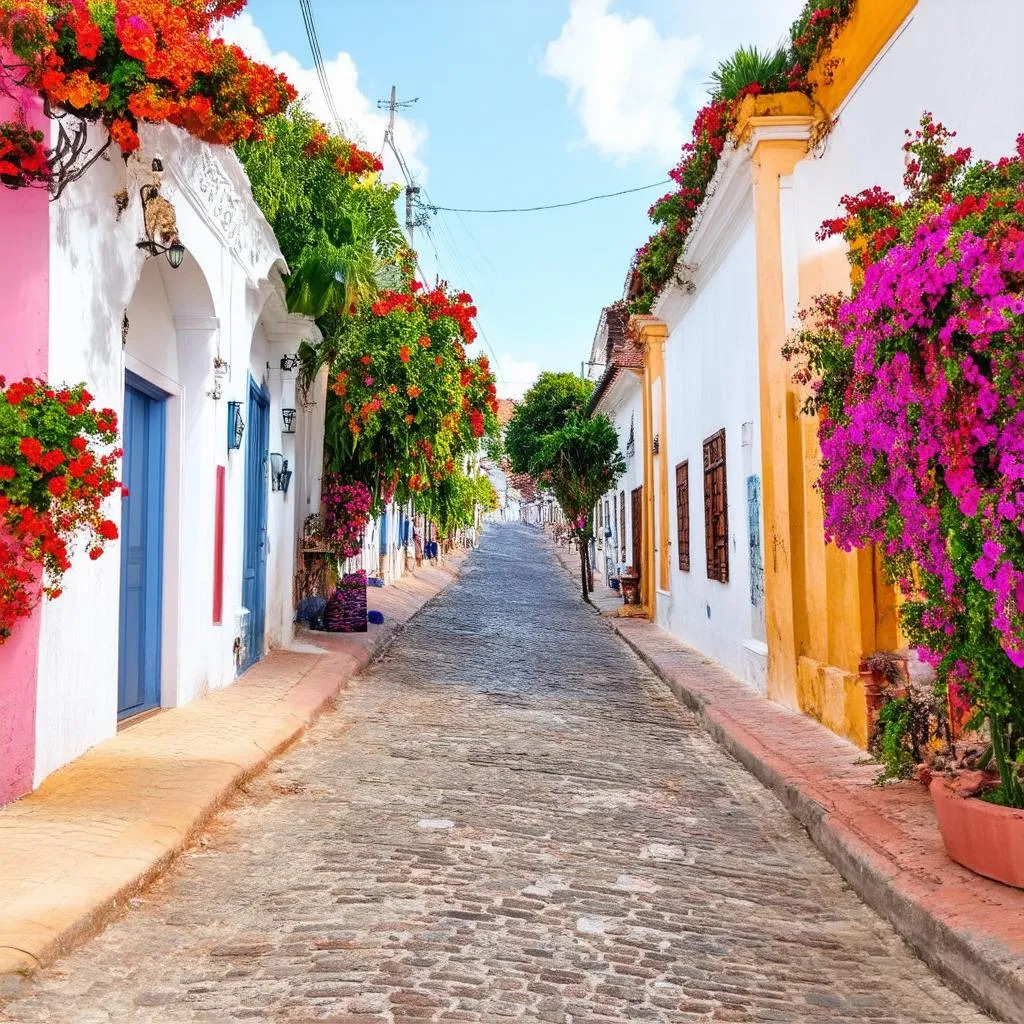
(97, 831)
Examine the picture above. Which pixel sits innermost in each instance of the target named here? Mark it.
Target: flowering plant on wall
(57, 467)
(121, 62)
(22, 155)
(406, 401)
(747, 73)
(918, 383)
(346, 513)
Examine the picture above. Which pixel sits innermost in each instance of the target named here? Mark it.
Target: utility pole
(411, 191)
(391, 104)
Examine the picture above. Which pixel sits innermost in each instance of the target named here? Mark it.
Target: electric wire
(318, 63)
(433, 208)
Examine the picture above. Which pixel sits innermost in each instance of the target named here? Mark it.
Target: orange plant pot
(986, 838)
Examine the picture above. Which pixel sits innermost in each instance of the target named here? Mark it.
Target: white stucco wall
(711, 369)
(623, 405)
(981, 101)
(178, 321)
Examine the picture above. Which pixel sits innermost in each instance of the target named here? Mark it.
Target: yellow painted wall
(825, 608)
(651, 333)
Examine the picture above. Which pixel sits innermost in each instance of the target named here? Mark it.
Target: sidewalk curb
(28, 943)
(977, 966)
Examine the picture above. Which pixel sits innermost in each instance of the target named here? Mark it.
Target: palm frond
(751, 66)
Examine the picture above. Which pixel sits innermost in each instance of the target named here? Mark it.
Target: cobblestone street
(508, 816)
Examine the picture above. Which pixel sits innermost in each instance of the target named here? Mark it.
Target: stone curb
(28, 941)
(978, 966)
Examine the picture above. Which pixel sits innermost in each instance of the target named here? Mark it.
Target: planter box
(986, 838)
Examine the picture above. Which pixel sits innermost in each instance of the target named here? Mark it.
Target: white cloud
(624, 78)
(514, 376)
(635, 87)
(361, 120)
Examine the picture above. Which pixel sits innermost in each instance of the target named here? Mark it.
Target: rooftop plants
(123, 62)
(334, 220)
(748, 72)
(917, 380)
(57, 467)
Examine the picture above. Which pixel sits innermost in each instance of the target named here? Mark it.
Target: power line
(550, 206)
(318, 63)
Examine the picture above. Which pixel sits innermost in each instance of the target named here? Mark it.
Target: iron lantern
(236, 425)
(288, 416)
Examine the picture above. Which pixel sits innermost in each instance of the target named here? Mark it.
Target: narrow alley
(507, 816)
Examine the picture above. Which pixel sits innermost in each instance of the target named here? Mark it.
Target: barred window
(716, 515)
(683, 514)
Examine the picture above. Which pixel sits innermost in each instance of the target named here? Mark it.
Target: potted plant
(917, 383)
(629, 583)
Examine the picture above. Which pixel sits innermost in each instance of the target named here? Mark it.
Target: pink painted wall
(24, 299)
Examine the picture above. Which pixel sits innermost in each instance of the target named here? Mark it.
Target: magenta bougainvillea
(918, 382)
(346, 513)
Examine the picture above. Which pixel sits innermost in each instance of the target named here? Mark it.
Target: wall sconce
(289, 363)
(161, 227)
(236, 425)
(280, 474)
(288, 416)
(656, 444)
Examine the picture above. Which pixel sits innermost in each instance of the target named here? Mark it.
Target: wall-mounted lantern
(280, 474)
(656, 444)
(288, 416)
(161, 226)
(236, 425)
(288, 363)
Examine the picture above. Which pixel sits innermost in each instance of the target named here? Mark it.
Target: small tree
(580, 462)
(548, 406)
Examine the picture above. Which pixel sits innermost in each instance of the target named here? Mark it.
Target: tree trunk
(584, 573)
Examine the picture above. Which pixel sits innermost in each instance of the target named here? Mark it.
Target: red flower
(108, 530)
(404, 353)
(58, 485)
(7, 473)
(31, 448)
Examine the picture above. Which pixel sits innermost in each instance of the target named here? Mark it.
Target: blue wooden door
(142, 548)
(254, 556)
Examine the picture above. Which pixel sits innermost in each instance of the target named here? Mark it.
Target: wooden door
(142, 549)
(637, 514)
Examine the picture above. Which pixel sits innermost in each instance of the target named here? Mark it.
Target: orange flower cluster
(358, 162)
(128, 61)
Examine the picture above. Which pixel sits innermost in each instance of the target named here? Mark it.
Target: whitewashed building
(715, 597)
(616, 366)
(222, 458)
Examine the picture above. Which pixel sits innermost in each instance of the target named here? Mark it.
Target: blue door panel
(254, 555)
(142, 527)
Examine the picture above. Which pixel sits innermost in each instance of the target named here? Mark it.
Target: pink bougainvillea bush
(346, 513)
(918, 383)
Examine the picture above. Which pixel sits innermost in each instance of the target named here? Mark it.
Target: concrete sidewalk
(884, 840)
(96, 832)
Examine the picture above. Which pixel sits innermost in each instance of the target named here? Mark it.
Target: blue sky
(521, 103)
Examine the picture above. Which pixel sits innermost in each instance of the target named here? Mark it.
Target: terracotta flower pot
(984, 837)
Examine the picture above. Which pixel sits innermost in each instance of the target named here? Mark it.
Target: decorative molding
(196, 324)
(213, 182)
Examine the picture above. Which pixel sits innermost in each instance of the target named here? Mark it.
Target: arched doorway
(170, 339)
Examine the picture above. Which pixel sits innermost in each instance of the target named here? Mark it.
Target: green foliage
(580, 462)
(336, 230)
(769, 70)
(453, 502)
(894, 727)
(548, 406)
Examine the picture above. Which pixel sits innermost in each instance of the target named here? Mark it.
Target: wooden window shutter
(622, 526)
(683, 514)
(716, 514)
